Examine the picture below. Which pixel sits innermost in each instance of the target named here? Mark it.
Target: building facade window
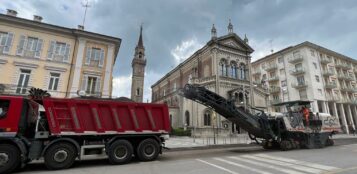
(58, 51)
(187, 118)
(312, 53)
(94, 57)
(303, 94)
(54, 80)
(280, 60)
(23, 81)
(29, 47)
(317, 78)
(91, 84)
(300, 80)
(207, 118)
(5, 42)
(242, 72)
(138, 91)
(234, 72)
(315, 65)
(283, 83)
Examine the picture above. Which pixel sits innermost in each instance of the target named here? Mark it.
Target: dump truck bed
(100, 116)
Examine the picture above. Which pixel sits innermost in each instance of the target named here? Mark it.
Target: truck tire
(10, 158)
(148, 150)
(60, 156)
(120, 152)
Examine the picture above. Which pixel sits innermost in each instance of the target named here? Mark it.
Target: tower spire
(230, 27)
(140, 42)
(213, 32)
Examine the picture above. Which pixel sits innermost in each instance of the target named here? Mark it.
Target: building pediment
(234, 41)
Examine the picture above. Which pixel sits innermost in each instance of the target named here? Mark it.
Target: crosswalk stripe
(266, 165)
(242, 166)
(293, 161)
(219, 167)
(285, 164)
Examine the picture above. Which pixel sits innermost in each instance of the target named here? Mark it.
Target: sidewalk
(180, 142)
(187, 142)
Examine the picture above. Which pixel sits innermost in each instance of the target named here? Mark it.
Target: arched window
(241, 98)
(207, 118)
(187, 118)
(234, 70)
(138, 91)
(242, 72)
(140, 55)
(222, 67)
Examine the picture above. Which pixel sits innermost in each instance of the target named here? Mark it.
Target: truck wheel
(9, 158)
(148, 150)
(329, 142)
(60, 156)
(120, 152)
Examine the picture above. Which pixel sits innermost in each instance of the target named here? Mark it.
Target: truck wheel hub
(60, 156)
(120, 152)
(149, 150)
(4, 158)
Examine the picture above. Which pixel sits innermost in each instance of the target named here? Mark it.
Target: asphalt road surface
(231, 160)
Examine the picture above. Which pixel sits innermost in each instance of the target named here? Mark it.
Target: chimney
(11, 12)
(37, 18)
(80, 27)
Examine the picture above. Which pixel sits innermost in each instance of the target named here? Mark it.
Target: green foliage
(180, 132)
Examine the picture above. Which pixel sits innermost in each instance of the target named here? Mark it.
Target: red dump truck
(63, 130)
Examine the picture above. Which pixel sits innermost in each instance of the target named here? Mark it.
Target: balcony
(344, 66)
(275, 101)
(273, 79)
(256, 72)
(328, 73)
(297, 71)
(355, 69)
(333, 98)
(274, 89)
(299, 85)
(346, 89)
(345, 77)
(296, 59)
(330, 85)
(325, 60)
(271, 67)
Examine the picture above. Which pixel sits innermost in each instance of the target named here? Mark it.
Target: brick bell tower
(138, 64)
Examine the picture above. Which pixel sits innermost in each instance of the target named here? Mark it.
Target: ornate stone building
(138, 64)
(223, 66)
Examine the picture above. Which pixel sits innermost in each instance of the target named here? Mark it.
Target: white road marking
(266, 165)
(242, 166)
(309, 164)
(218, 167)
(285, 164)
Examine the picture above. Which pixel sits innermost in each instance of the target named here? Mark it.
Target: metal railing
(330, 85)
(343, 65)
(302, 84)
(274, 89)
(271, 67)
(328, 73)
(325, 60)
(297, 71)
(296, 59)
(275, 78)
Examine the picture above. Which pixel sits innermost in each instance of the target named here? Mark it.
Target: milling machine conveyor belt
(253, 124)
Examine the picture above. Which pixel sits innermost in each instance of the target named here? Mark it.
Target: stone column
(343, 118)
(327, 107)
(348, 107)
(324, 108)
(334, 111)
(354, 113)
(315, 106)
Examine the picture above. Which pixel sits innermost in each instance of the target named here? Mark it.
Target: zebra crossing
(265, 164)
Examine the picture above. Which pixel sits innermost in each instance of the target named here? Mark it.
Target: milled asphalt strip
(304, 163)
(218, 167)
(288, 171)
(242, 166)
(285, 164)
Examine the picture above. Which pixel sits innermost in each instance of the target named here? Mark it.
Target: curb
(218, 146)
(338, 142)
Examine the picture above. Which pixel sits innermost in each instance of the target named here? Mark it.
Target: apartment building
(61, 60)
(311, 72)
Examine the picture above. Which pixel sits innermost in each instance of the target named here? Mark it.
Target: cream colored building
(58, 59)
(310, 72)
(223, 66)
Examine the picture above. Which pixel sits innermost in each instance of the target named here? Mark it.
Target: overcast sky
(174, 29)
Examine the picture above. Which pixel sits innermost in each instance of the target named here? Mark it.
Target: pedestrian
(305, 112)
